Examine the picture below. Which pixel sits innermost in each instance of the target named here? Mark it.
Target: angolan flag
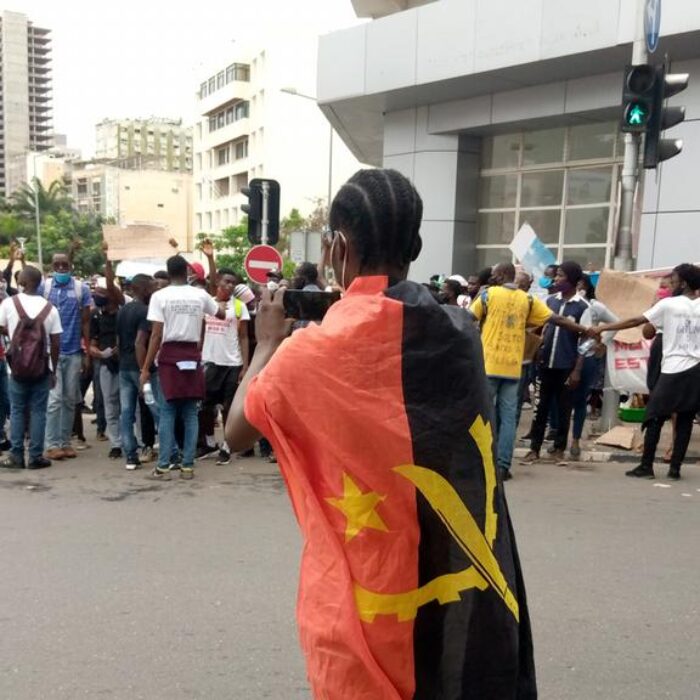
(410, 581)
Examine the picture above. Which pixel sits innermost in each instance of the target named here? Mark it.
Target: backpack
(27, 354)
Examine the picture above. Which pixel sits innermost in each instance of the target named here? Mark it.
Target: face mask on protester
(62, 277)
(663, 293)
(545, 282)
(272, 285)
(100, 301)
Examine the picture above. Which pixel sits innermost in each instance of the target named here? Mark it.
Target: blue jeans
(188, 409)
(128, 397)
(62, 400)
(4, 398)
(504, 393)
(28, 398)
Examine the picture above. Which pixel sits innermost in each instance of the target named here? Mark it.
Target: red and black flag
(410, 581)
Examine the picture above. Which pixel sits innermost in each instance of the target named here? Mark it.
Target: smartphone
(308, 306)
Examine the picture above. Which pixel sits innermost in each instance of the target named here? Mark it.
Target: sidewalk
(590, 452)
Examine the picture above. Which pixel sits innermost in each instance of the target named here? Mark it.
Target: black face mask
(100, 301)
(443, 298)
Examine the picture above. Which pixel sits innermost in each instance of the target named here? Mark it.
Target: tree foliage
(63, 230)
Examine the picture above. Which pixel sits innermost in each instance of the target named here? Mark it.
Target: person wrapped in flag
(381, 421)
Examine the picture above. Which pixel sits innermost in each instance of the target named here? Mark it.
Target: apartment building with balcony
(25, 96)
(153, 143)
(249, 127)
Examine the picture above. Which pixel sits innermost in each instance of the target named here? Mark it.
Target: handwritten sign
(627, 296)
(627, 366)
(135, 241)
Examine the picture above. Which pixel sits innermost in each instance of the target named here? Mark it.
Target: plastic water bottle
(148, 396)
(585, 347)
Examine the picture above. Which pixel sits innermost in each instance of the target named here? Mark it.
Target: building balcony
(235, 90)
(227, 133)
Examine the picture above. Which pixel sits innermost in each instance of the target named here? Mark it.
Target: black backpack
(27, 354)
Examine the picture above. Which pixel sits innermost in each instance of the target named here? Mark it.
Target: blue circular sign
(652, 24)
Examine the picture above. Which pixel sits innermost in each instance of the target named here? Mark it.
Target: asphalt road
(117, 587)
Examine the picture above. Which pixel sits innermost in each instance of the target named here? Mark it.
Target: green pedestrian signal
(637, 98)
(637, 114)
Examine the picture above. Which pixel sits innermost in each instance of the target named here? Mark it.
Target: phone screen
(308, 306)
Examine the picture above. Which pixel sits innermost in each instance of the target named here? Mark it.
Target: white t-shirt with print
(678, 318)
(181, 310)
(221, 343)
(33, 305)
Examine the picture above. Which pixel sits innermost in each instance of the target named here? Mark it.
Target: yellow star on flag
(358, 508)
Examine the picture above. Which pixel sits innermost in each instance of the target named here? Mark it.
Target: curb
(591, 456)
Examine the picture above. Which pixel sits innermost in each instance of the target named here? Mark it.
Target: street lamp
(37, 216)
(296, 93)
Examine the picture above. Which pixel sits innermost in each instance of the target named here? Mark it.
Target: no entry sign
(260, 260)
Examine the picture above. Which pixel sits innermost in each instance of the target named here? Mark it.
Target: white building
(25, 96)
(507, 111)
(250, 128)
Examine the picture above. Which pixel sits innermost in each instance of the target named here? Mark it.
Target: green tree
(52, 200)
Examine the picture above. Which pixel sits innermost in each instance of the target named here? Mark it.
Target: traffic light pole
(623, 244)
(630, 169)
(265, 221)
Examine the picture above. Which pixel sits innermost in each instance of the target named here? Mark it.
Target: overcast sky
(134, 58)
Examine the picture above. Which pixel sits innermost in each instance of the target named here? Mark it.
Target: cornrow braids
(381, 211)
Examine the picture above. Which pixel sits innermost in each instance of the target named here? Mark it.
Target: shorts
(221, 383)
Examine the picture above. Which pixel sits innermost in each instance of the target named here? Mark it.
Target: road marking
(687, 495)
(664, 486)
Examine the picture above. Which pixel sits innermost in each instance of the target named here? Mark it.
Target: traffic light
(657, 149)
(637, 98)
(263, 210)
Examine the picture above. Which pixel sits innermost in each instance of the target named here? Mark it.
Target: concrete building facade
(507, 112)
(154, 143)
(136, 196)
(25, 87)
(249, 127)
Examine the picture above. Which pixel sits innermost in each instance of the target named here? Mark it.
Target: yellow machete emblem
(449, 507)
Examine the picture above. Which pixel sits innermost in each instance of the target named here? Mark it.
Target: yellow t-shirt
(508, 312)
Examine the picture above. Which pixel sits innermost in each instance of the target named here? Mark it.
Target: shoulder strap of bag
(20, 309)
(41, 317)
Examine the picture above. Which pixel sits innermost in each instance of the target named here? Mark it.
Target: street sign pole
(265, 221)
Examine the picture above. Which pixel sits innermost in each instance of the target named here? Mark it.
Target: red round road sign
(260, 260)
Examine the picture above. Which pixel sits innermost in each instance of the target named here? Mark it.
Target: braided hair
(381, 211)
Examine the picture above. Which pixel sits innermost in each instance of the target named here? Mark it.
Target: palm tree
(51, 201)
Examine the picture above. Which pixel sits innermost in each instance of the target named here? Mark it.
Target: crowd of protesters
(554, 347)
(166, 353)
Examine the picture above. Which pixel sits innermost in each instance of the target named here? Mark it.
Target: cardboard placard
(135, 241)
(627, 296)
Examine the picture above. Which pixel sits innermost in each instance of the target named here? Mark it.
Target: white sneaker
(133, 464)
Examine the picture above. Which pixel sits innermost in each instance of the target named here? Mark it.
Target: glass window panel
(488, 257)
(542, 189)
(545, 146)
(496, 227)
(500, 151)
(589, 186)
(544, 222)
(586, 226)
(591, 141)
(590, 259)
(498, 191)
